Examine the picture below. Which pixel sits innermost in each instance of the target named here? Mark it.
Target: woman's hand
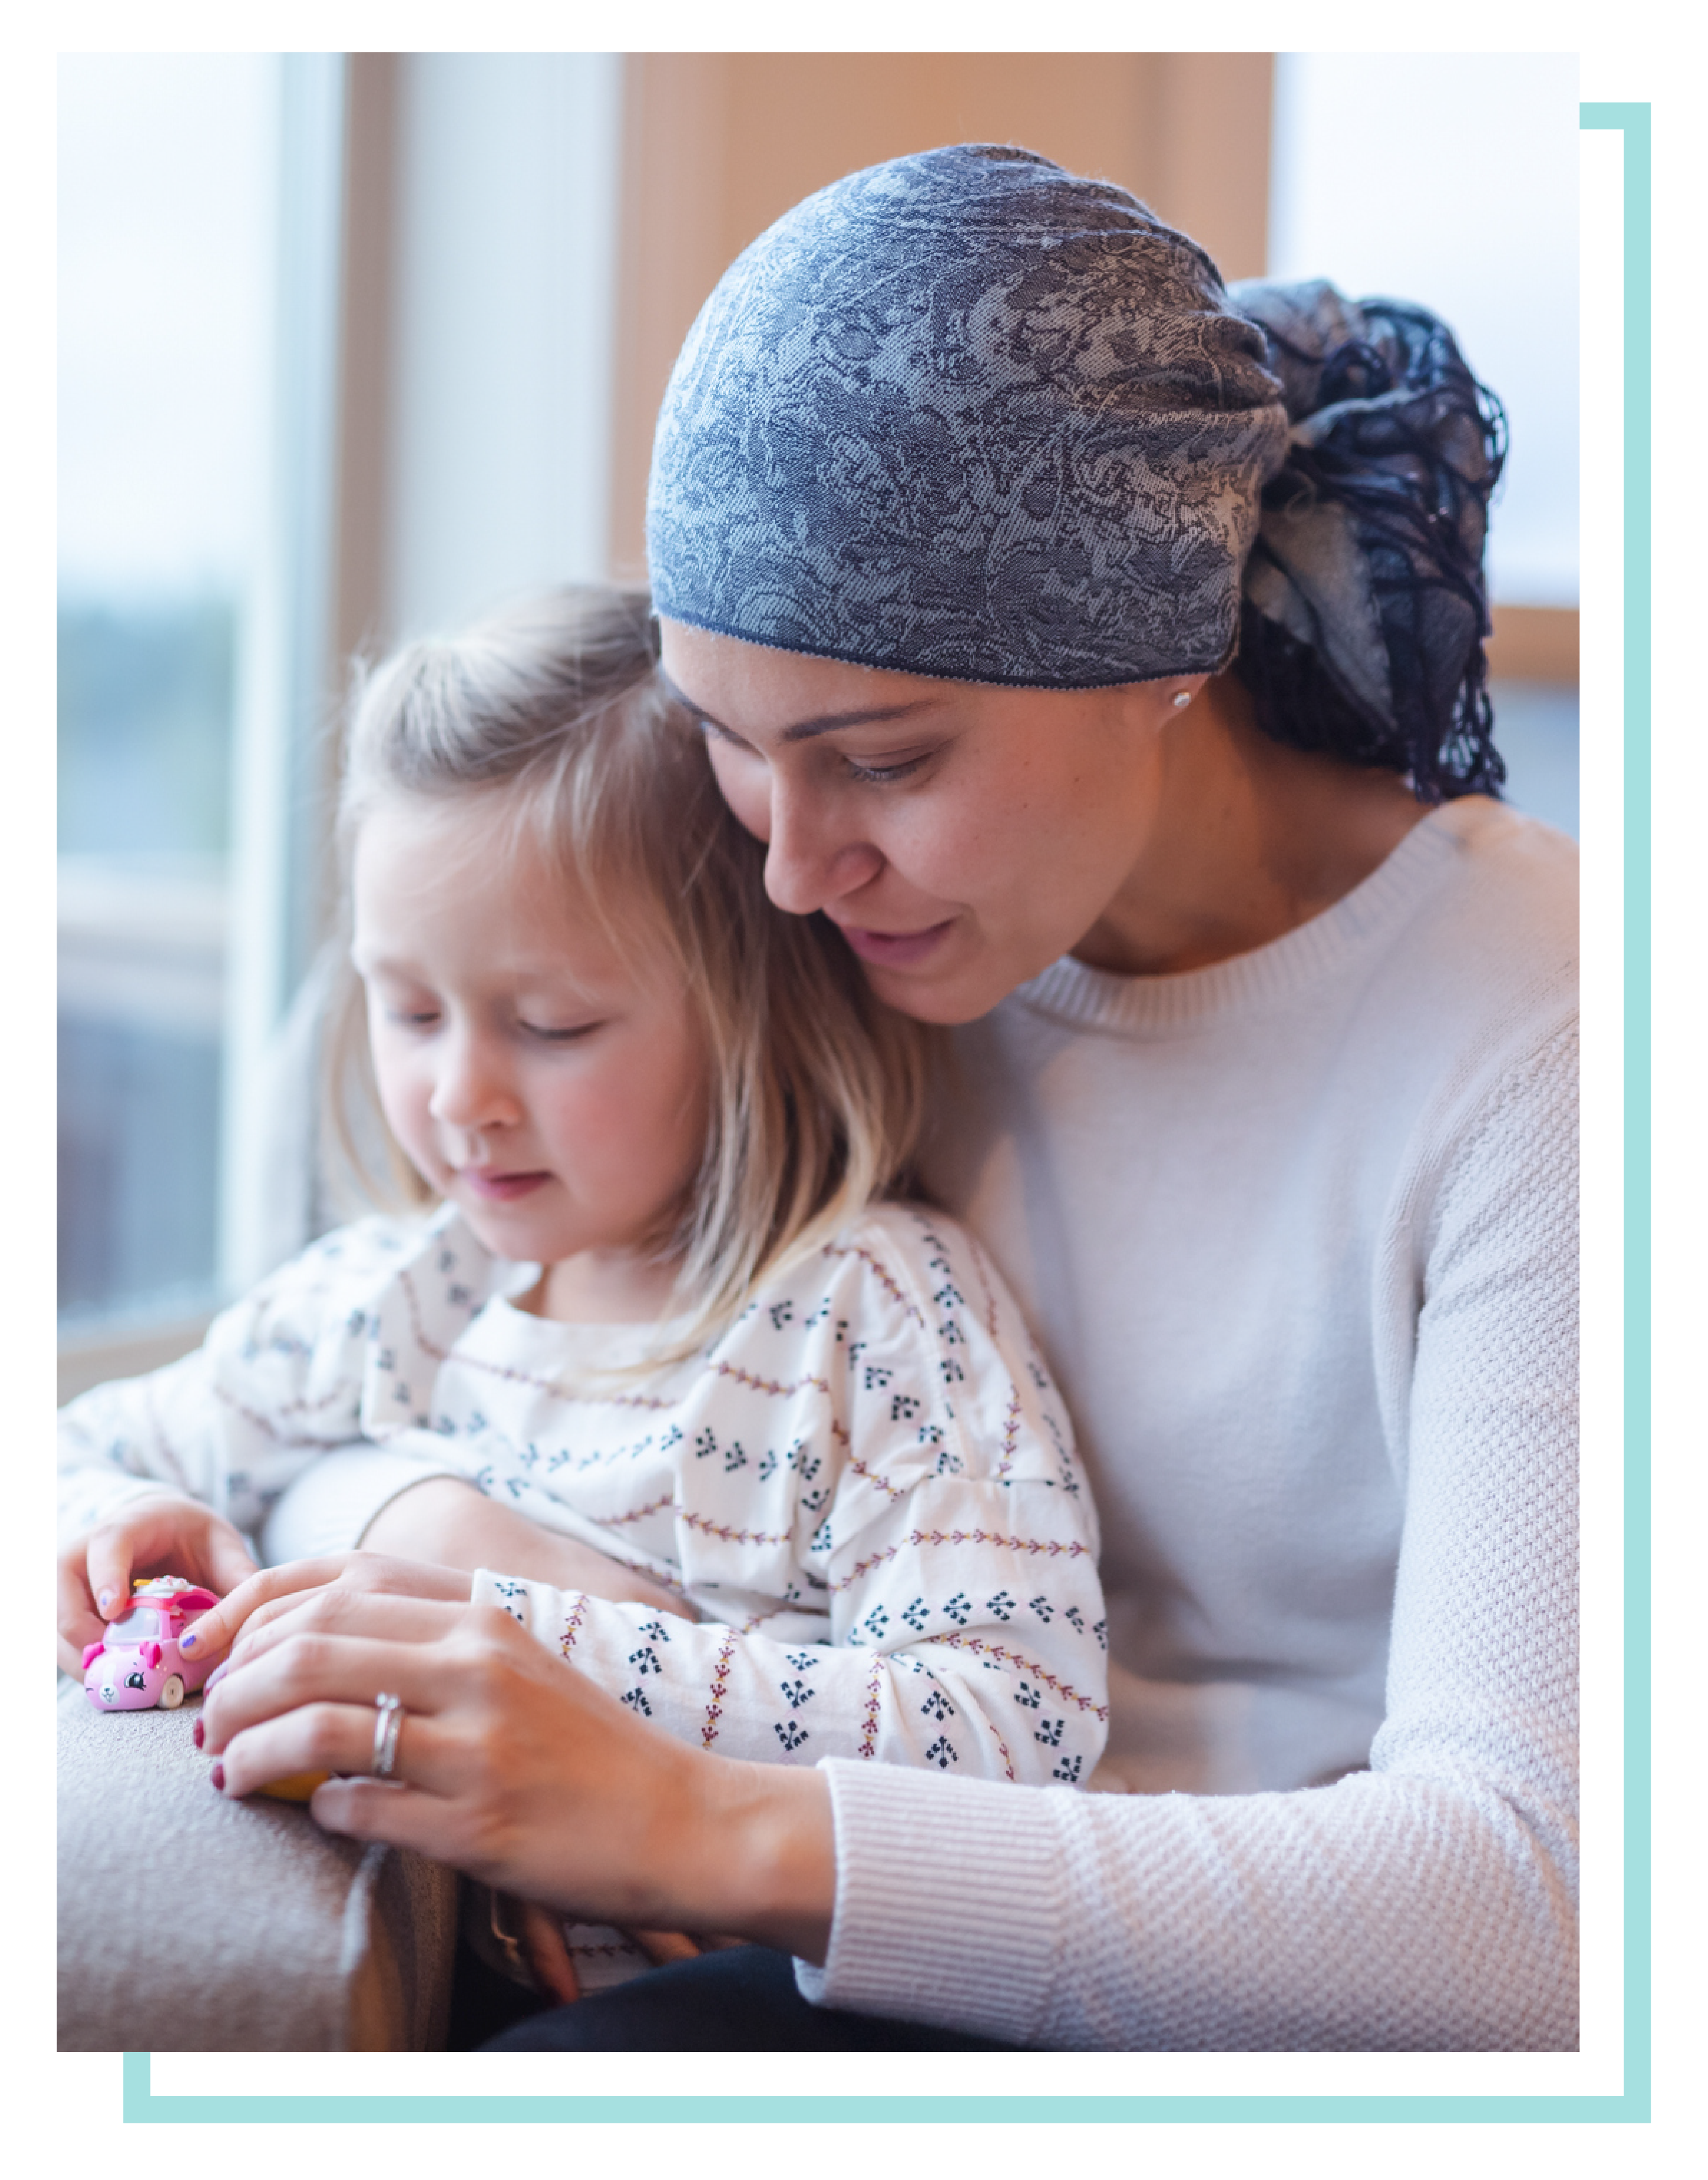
(238, 1621)
(518, 1770)
(449, 1522)
(161, 1534)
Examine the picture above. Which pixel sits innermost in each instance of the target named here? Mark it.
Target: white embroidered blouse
(866, 1489)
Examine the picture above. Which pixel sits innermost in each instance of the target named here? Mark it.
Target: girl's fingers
(75, 1619)
(546, 1952)
(229, 1562)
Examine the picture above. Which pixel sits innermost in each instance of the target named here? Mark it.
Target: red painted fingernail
(196, 1732)
(217, 1775)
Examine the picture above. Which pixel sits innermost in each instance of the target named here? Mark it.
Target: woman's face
(962, 836)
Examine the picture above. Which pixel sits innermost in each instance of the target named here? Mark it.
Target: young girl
(798, 1483)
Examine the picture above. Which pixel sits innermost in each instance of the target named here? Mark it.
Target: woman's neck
(1249, 839)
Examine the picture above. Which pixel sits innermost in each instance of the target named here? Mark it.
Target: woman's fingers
(309, 1670)
(546, 1952)
(345, 1607)
(275, 1591)
(216, 1630)
(340, 1611)
(662, 1946)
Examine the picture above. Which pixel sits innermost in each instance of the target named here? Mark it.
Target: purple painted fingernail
(196, 1733)
(217, 1775)
(104, 1602)
(189, 1641)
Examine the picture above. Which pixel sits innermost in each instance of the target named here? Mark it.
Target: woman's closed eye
(882, 775)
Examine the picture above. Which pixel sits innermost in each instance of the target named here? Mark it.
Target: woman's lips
(895, 949)
(500, 1187)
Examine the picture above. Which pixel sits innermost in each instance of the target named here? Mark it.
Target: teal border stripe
(1665, 1078)
(141, 2103)
(1667, 762)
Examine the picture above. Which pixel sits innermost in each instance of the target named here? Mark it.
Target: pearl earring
(1182, 698)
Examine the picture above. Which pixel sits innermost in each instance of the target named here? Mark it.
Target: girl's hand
(161, 1534)
(518, 1770)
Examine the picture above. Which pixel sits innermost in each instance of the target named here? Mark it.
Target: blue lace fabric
(969, 415)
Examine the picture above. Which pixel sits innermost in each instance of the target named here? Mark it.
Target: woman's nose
(812, 858)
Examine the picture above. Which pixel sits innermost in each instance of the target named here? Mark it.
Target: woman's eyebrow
(804, 729)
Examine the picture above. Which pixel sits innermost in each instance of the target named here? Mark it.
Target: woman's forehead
(703, 667)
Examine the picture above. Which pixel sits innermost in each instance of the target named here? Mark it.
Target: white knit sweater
(1298, 1233)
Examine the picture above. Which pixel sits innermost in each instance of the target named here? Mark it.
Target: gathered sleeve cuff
(330, 1506)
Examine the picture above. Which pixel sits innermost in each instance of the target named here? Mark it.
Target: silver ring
(386, 1725)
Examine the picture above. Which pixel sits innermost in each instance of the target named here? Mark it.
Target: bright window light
(166, 166)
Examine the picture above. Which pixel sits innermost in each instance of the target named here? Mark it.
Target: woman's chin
(943, 996)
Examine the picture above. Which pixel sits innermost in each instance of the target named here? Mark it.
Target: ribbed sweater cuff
(946, 1908)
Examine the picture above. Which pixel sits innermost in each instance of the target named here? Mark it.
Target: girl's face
(555, 1096)
(962, 837)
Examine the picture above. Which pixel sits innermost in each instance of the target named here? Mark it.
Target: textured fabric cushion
(188, 1923)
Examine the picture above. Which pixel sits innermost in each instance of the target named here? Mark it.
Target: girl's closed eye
(560, 1033)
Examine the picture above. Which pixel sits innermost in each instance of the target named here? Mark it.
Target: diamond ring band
(386, 1725)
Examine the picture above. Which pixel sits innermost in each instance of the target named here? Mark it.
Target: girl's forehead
(462, 882)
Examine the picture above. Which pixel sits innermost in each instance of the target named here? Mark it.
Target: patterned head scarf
(968, 416)
(1370, 550)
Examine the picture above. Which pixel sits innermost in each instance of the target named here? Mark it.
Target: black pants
(744, 2000)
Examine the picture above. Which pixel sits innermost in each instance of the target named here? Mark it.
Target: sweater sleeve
(1427, 1904)
(932, 1598)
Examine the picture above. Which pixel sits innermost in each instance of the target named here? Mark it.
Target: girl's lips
(501, 1187)
(895, 949)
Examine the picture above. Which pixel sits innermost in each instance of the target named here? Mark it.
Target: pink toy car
(138, 1667)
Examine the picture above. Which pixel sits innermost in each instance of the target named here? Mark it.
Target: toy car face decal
(138, 1664)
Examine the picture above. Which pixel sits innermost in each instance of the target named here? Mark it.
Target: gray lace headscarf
(966, 414)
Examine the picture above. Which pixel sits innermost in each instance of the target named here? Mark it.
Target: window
(164, 210)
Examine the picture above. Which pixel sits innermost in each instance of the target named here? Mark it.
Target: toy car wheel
(171, 1695)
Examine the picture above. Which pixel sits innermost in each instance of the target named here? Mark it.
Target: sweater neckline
(1099, 999)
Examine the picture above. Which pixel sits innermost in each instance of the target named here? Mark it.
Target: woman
(1105, 661)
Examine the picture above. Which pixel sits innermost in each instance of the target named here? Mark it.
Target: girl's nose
(472, 1089)
(812, 858)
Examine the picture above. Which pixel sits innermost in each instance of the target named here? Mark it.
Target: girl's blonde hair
(815, 1088)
